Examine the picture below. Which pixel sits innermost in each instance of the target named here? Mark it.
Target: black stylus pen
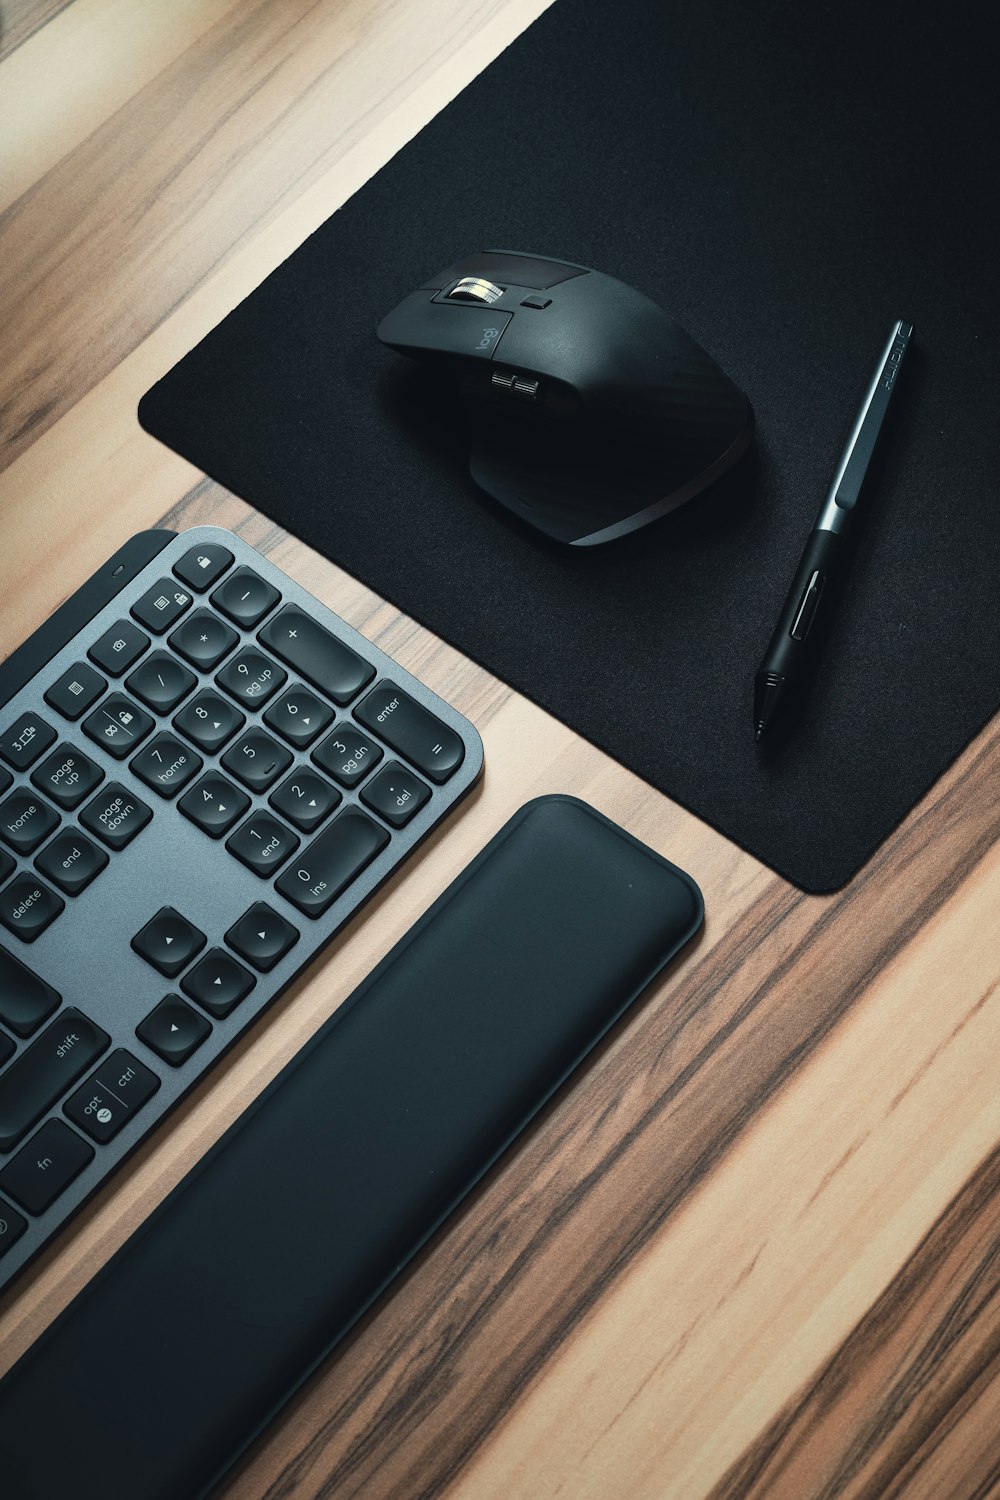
(791, 652)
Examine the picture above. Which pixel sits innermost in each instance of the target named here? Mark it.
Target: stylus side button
(806, 612)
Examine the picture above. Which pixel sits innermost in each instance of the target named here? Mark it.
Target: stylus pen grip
(793, 645)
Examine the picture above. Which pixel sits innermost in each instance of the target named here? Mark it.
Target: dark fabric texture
(786, 181)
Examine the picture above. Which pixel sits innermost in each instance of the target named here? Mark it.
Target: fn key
(45, 1166)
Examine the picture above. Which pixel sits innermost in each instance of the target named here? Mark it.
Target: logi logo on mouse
(489, 338)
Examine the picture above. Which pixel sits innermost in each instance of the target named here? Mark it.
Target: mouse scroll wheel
(475, 289)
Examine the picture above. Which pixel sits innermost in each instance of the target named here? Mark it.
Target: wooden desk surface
(754, 1250)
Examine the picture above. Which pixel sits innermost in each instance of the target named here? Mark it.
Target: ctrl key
(46, 1166)
(110, 1098)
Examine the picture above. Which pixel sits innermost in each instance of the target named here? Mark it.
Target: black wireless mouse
(591, 413)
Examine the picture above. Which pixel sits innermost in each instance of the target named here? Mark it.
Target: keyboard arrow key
(262, 937)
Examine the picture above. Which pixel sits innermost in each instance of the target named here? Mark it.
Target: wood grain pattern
(20, 19)
(753, 1250)
(910, 1399)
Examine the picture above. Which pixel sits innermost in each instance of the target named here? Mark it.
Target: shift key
(33, 1083)
(316, 654)
(412, 731)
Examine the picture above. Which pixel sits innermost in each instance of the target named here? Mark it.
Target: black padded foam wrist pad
(786, 181)
(214, 1312)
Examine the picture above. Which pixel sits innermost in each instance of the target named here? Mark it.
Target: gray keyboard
(203, 774)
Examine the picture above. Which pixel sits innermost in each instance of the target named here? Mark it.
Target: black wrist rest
(176, 1355)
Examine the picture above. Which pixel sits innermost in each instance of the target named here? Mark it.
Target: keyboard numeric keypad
(262, 843)
(162, 606)
(245, 598)
(166, 765)
(214, 804)
(209, 721)
(161, 682)
(305, 799)
(298, 716)
(251, 677)
(348, 755)
(257, 760)
(204, 639)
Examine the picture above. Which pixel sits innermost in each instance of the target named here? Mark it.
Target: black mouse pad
(786, 181)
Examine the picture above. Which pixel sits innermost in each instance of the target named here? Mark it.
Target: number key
(214, 804)
(251, 677)
(298, 716)
(209, 721)
(262, 843)
(257, 760)
(347, 754)
(305, 799)
(166, 765)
